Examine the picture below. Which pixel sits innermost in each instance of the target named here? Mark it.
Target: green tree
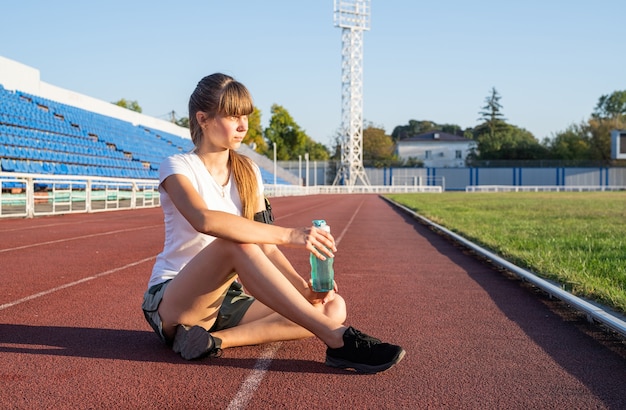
(498, 140)
(254, 137)
(600, 136)
(609, 114)
(378, 147)
(509, 142)
(491, 114)
(182, 122)
(291, 141)
(611, 106)
(317, 151)
(453, 129)
(571, 144)
(130, 105)
(415, 127)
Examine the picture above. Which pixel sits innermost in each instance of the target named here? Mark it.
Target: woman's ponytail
(247, 185)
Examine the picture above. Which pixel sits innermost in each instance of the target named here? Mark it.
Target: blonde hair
(220, 94)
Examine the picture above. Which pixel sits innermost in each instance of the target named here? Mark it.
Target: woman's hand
(320, 297)
(317, 241)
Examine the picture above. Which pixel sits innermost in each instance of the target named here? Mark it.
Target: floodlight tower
(353, 17)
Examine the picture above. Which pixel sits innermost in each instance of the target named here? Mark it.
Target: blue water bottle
(322, 273)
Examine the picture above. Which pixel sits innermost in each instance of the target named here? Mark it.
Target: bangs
(236, 100)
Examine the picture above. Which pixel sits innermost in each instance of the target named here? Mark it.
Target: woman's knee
(236, 250)
(336, 309)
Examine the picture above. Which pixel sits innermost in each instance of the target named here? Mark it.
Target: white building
(436, 149)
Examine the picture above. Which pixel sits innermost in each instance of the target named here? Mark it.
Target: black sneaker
(194, 343)
(363, 353)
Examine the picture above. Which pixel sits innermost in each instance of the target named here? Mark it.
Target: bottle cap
(318, 223)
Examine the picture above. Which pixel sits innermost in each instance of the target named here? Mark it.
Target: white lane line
(340, 237)
(299, 211)
(67, 285)
(93, 235)
(48, 225)
(249, 386)
(252, 382)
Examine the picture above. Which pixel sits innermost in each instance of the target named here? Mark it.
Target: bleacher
(40, 136)
(46, 137)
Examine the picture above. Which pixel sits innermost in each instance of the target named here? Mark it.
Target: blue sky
(550, 60)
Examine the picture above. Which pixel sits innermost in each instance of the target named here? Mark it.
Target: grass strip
(577, 239)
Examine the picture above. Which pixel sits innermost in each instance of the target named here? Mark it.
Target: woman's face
(226, 131)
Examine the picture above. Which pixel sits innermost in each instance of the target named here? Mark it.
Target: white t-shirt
(182, 241)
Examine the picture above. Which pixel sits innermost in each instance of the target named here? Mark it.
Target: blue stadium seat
(35, 131)
(7, 165)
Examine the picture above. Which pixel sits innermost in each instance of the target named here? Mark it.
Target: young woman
(195, 300)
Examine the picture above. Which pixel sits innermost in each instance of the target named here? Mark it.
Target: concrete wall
(459, 178)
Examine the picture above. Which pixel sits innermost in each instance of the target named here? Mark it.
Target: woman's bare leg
(260, 325)
(196, 293)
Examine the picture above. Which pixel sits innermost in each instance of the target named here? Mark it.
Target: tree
(453, 129)
(520, 144)
(600, 136)
(182, 122)
(378, 147)
(130, 105)
(499, 140)
(509, 142)
(611, 106)
(291, 141)
(571, 144)
(491, 113)
(317, 151)
(609, 114)
(254, 137)
(415, 127)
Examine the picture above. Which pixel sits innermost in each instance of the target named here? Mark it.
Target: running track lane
(72, 334)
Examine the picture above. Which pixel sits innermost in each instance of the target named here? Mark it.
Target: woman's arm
(282, 263)
(238, 229)
(279, 259)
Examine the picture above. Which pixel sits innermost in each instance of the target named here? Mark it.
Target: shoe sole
(191, 343)
(361, 367)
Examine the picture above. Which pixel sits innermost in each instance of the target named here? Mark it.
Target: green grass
(576, 239)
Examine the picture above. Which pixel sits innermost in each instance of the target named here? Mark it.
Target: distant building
(436, 149)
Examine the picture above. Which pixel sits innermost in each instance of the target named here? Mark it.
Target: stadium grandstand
(61, 152)
(43, 136)
(53, 133)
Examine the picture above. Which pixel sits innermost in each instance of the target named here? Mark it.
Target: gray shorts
(235, 305)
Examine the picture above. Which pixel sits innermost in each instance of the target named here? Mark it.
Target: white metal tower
(353, 17)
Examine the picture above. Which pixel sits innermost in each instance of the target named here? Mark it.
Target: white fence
(30, 195)
(542, 188)
(292, 190)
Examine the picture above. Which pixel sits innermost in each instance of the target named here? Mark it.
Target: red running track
(72, 334)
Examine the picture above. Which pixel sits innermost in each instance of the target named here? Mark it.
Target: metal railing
(293, 190)
(30, 195)
(593, 311)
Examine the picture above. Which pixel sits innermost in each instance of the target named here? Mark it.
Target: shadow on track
(131, 345)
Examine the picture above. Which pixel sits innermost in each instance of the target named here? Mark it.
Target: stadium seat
(44, 136)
